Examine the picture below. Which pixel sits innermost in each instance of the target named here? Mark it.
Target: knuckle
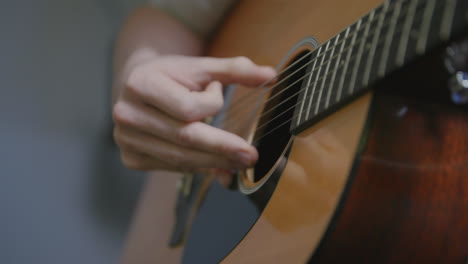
(122, 140)
(135, 79)
(185, 136)
(122, 114)
(243, 61)
(188, 111)
(131, 161)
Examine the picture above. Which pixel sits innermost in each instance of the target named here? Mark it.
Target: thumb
(239, 70)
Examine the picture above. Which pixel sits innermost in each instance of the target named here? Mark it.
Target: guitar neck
(382, 41)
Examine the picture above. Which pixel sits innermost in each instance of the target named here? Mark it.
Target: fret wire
(320, 77)
(374, 33)
(374, 44)
(241, 101)
(308, 74)
(275, 85)
(388, 40)
(289, 86)
(426, 24)
(282, 124)
(325, 74)
(300, 102)
(342, 50)
(307, 64)
(449, 13)
(334, 72)
(330, 87)
(307, 85)
(315, 84)
(345, 69)
(400, 58)
(287, 99)
(343, 42)
(361, 49)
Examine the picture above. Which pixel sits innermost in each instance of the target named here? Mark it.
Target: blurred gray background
(64, 197)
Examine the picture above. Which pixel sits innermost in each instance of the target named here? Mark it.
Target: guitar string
(301, 78)
(250, 95)
(294, 116)
(334, 46)
(318, 102)
(241, 100)
(320, 78)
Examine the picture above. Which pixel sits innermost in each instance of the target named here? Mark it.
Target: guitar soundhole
(272, 136)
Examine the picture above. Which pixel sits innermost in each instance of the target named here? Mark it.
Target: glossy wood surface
(407, 199)
(307, 194)
(408, 202)
(264, 30)
(321, 157)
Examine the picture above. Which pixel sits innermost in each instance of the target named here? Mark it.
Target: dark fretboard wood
(384, 40)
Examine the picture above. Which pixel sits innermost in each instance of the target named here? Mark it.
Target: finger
(195, 135)
(176, 100)
(176, 156)
(237, 70)
(137, 161)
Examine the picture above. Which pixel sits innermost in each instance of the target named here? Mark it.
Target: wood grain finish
(408, 202)
(321, 157)
(308, 192)
(394, 190)
(263, 30)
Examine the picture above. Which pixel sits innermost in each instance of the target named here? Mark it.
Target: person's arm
(162, 91)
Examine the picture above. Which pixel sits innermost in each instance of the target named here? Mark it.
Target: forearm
(146, 34)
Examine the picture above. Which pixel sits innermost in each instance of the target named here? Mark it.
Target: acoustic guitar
(362, 139)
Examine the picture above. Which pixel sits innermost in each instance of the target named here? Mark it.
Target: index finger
(171, 97)
(239, 70)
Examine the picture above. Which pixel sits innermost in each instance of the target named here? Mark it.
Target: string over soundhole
(272, 137)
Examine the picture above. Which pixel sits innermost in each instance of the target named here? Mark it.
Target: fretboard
(384, 40)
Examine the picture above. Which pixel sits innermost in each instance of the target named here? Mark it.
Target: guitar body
(381, 180)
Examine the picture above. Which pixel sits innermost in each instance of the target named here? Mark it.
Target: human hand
(158, 115)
